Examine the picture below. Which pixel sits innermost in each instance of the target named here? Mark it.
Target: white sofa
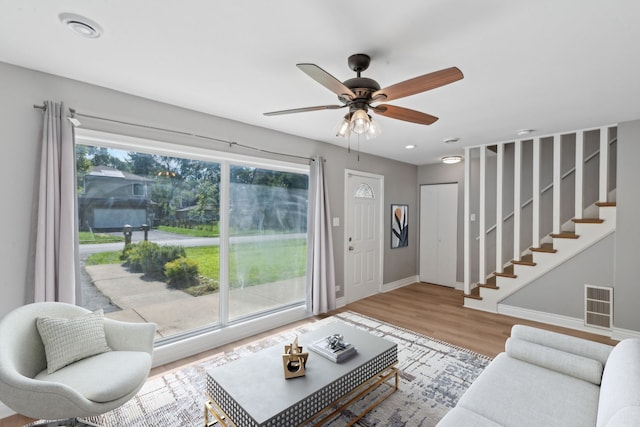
(549, 379)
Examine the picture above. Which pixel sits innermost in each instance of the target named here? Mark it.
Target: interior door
(363, 235)
(438, 233)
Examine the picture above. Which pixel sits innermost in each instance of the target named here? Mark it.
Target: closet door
(438, 233)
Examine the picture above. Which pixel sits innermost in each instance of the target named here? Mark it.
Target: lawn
(87, 237)
(209, 231)
(250, 263)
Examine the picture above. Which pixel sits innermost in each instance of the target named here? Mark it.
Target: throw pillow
(69, 340)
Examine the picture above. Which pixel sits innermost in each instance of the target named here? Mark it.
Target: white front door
(363, 234)
(438, 233)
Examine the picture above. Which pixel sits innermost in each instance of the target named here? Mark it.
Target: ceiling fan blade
(418, 84)
(405, 114)
(327, 80)
(303, 110)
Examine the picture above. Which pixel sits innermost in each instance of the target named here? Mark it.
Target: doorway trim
(381, 211)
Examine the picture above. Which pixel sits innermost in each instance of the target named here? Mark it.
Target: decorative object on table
(399, 226)
(334, 348)
(294, 360)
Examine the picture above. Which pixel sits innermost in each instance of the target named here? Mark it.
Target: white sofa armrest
(562, 342)
(571, 364)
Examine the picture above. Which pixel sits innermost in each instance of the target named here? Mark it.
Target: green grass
(208, 258)
(87, 237)
(250, 263)
(104, 258)
(266, 262)
(212, 231)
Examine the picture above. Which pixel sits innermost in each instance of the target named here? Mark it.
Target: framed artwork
(399, 226)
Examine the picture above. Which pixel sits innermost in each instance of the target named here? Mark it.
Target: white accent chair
(88, 387)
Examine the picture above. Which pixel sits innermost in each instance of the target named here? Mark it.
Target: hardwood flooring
(432, 310)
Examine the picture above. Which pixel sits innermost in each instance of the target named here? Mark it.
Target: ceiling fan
(360, 93)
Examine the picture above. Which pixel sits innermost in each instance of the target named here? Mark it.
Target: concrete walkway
(175, 311)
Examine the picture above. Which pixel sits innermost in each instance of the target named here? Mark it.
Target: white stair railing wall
(575, 168)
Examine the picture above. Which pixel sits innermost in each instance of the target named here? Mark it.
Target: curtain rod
(210, 138)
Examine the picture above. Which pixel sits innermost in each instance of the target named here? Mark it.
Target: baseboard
(386, 287)
(341, 302)
(551, 319)
(621, 334)
(5, 411)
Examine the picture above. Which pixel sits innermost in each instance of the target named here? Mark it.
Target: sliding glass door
(267, 240)
(156, 245)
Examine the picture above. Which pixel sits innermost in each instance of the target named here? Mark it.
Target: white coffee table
(252, 391)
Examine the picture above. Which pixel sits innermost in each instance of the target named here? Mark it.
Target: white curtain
(320, 267)
(56, 272)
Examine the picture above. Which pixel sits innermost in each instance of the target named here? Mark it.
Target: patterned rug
(433, 376)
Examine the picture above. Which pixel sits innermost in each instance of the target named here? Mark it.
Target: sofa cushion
(620, 390)
(461, 417)
(575, 345)
(511, 392)
(67, 340)
(104, 377)
(579, 367)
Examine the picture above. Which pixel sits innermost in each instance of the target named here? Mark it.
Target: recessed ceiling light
(410, 146)
(450, 160)
(451, 140)
(523, 132)
(81, 25)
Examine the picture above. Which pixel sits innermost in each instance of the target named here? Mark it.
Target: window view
(268, 244)
(150, 234)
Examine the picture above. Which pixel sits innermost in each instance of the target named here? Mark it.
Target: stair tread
(475, 294)
(605, 204)
(524, 262)
(545, 247)
(588, 221)
(565, 235)
(508, 275)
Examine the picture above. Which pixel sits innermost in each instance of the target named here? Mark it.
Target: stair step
(475, 294)
(545, 247)
(605, 204)
(508, 275)
(588, 221)
(525, 260)
(565, 235)
(507, 272)
(490, 284)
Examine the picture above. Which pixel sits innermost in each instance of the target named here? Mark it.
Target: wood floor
(436, 311)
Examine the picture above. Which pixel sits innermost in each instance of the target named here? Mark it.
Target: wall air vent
(598, 306)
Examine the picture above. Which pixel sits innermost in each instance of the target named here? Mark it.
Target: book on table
(334, 350)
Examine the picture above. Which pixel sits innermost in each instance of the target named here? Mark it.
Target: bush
(150, 258)
(182, 272)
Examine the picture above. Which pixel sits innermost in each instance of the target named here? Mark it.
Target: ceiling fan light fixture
(342, 128)
(360, 122)
(451, 160)
(374, 130)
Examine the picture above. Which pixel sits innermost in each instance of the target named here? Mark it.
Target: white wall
(20, 136)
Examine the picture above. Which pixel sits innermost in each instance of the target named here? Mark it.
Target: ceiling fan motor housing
(362, 87)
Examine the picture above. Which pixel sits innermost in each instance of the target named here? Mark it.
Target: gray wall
(627, 267)
(20, 136)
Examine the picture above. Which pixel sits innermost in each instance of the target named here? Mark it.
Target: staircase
(530, 255)
(540, 260)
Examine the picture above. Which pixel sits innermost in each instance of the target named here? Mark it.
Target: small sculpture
(294, 360)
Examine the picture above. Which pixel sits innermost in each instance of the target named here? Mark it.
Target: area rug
(433, 376)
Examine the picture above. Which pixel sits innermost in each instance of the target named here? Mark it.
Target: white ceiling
(548, 65)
